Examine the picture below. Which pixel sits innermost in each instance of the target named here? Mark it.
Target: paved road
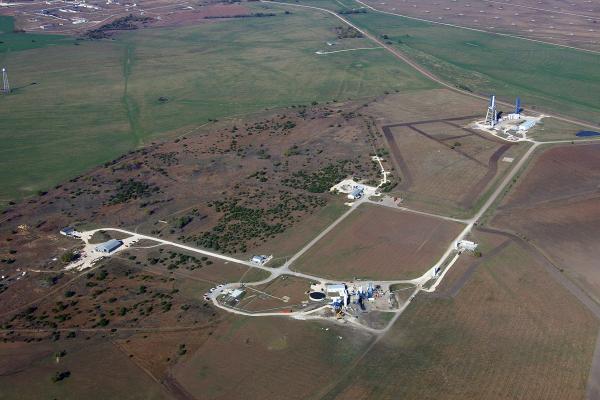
(419, 282)
(274, 273)
(179, 245)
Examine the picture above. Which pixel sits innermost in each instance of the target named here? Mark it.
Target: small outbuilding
(466, 245)
(109, 247)
(69, 231)
(528, 124)
(259, 260)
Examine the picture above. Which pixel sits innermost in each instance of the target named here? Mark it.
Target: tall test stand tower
(491, 117)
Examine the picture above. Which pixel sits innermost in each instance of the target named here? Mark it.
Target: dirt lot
(502, 336)
(284, 293)
(380, 243)
(572, 23)
(555, 206)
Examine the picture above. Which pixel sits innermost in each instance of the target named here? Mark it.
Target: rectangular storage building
(109, 247)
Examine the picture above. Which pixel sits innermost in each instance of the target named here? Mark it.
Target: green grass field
(97, 100)
(17, 41)
(552, 78)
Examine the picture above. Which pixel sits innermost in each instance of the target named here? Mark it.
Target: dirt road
(399, 55)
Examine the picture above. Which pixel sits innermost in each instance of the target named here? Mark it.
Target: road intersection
(434, 274)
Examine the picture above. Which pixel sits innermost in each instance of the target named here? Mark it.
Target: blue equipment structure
(587, 133)
(337, 304)
(518, 106)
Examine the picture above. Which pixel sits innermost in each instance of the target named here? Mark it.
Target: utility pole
(5, 84)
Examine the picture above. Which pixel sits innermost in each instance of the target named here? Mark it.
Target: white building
(528, 124)
(356, 193)
(69, 231)
(259, 260)
(337, 292)
(466, 245)
(109, 247)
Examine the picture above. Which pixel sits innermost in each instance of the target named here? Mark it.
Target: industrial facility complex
(512, 127)
(343, 302)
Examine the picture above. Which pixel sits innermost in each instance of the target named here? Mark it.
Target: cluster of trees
(69, 256)
(131, 189)
(91, 305)
(347, 32)
(169, 158)
(129, 22)
(293, 151)
(241, 224)
(321, 180)
(59, 376)
(174, 260)
(353, 11)
(388, 186)
(253, 15)
(181, 222)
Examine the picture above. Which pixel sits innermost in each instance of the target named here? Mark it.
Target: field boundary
(469, 199)
(509, 35)
(593, 386)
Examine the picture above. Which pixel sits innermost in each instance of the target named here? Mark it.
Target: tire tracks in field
(551, 267)
(492, 168)
(471, 196)
(131, 108)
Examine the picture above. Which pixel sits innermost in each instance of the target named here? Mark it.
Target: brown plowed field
(98, 371)
(270, 358)
(556, 206)
(571, 23)
(511, 332)
(380, 243)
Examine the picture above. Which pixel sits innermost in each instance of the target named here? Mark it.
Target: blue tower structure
(370, 291)
(518, 106)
